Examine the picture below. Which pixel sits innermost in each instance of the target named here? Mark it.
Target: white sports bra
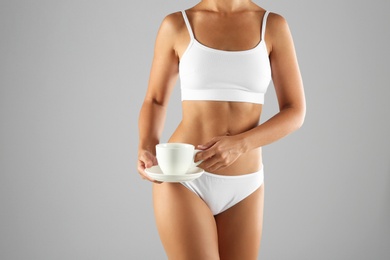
(211, 74)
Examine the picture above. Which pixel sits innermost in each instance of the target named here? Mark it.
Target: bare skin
(228, 132)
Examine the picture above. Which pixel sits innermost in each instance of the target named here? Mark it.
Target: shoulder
(276, 23)
(278, 31)
(172, 23)
(170, 29)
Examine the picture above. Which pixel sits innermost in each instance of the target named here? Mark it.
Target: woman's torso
(204, 119)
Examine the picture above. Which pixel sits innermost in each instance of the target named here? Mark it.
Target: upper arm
(165, 65)
(285, 69)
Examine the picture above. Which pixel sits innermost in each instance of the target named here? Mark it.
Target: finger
(145, 176)
(142, 165)
(149, 160)
(206, 154)
(209, 143)
(209, 163)
(153, 159)
(152, 180)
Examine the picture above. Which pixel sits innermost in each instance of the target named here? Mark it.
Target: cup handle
(195, 164)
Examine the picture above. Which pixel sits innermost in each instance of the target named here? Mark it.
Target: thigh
(240, 228)
(185, 224)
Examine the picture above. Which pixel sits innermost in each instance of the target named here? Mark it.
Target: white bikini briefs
(221, 192)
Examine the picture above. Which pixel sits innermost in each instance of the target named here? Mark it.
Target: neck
(227, 6)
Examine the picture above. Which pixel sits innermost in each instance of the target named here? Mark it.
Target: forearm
(150, 123)
(283, 123)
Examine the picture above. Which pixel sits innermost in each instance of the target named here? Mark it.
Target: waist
(216, 118)
(203, 120)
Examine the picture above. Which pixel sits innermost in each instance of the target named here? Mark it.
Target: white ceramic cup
(176, 158)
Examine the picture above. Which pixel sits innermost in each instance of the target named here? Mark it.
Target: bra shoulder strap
(187, 24)
(264, 23)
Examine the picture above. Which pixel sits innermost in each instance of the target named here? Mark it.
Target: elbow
(300, 117)
(296, 117)
(156, 101)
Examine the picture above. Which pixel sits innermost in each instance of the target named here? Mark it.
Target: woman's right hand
(146, 160)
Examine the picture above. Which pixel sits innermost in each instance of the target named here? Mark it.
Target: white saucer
(156, 174)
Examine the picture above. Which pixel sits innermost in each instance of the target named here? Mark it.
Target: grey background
(73, 75)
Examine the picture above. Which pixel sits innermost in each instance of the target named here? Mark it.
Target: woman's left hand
(219, 152)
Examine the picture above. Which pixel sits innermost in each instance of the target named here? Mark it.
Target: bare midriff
(203, 120)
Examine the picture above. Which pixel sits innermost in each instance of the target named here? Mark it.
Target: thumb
(149, 160)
